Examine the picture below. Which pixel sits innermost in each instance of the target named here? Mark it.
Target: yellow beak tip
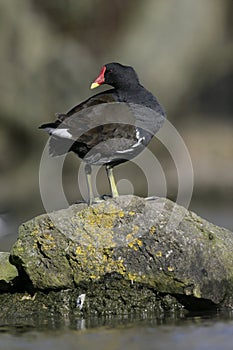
(94, 85)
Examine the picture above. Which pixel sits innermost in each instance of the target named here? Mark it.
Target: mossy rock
(153, 243)
(8, 272)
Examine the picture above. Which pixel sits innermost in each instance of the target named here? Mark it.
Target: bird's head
(116, 75)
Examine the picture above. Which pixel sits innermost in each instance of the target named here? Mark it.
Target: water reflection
(191, 331)
(57, 322)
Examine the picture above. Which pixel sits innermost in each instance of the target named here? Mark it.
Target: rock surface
(8, 272)
(127, 253)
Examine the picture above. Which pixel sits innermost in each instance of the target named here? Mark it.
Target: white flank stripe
(138, 143)
(125, 151)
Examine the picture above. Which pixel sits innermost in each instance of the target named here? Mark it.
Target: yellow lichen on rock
(99, 219)
(159, 254)
(170, 268)
(152, 230)
(98, 216)
(135, 244)
(47, 241)
(97, 261)
(135, 277)
(47, 235)
(35, 231)
(100, 227)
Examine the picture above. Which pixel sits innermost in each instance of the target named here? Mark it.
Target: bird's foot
(105, 197)
(100, 199)
(151, 198)
(94, 200)
(80, 202)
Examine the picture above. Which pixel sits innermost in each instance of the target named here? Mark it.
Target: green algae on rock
(8, 272)
(155, 244)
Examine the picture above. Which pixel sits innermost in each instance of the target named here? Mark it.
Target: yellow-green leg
(91, 198)
(111, 180)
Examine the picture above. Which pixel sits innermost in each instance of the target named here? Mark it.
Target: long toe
(101, 198)
(151, 198)
(105, 197)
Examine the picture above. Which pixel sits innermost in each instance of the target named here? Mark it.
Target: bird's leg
(91, 198)
(112, 183)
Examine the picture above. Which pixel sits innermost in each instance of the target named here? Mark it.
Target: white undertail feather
(64, 133)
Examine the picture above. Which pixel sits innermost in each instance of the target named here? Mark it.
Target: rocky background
(52, 50)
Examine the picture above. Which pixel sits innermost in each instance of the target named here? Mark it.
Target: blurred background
(52, 50)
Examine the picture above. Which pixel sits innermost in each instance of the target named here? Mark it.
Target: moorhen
(109, 128)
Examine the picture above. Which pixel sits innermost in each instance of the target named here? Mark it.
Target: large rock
(128, 242)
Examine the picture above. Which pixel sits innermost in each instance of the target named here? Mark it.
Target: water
(210, 332)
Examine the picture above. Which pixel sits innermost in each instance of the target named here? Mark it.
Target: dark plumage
(111, 127)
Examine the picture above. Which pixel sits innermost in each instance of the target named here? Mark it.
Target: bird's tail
(57, 145)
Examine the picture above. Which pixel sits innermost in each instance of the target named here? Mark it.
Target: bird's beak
(100, 79)
(94, 85)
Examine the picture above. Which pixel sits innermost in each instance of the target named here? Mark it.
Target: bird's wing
(97, 119)
(103, 97)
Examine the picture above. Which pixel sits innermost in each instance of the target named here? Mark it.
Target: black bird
(111, 127)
